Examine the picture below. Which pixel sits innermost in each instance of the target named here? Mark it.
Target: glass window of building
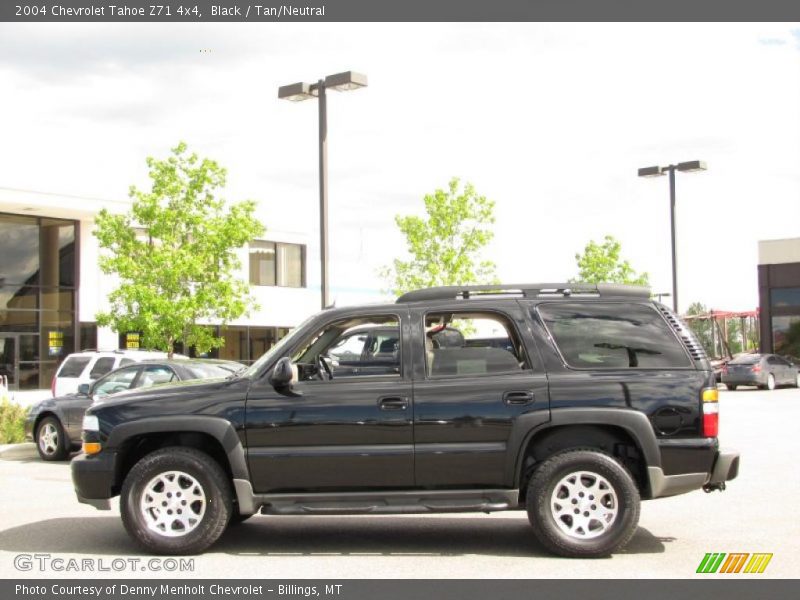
(38, 262)
(262, 263)
(277, 264)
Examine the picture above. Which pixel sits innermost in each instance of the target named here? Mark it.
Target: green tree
(445, 246)
(174, 254)
(601, 263)
(701, 327)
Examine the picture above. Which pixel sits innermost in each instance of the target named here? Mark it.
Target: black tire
(731, 386)
(214, 487)
(51, 441)
(771, 383)
(619, 529)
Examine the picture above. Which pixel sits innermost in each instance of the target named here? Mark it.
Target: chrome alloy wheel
(173, 503)
(48, 439)
(584, 505)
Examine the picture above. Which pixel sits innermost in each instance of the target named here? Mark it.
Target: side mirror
(83, 389)
(282, 377)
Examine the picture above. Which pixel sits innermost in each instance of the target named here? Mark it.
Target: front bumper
(93, 478)
(30, 421)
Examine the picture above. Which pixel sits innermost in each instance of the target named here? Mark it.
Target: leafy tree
(445, 245)
(703, 331)
(701, 327)
(174, 254)
(601, 263)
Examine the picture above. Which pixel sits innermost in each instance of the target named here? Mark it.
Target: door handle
(520, 397)
(393, 403)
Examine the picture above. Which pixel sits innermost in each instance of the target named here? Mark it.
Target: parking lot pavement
(758, 513)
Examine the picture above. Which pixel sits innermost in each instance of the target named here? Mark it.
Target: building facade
(51, 287)
(779, 296)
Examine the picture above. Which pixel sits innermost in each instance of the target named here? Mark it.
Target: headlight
(91, 423)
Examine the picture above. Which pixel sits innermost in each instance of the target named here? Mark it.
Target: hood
(179, 389)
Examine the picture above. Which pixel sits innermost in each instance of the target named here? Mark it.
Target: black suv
(571, 402)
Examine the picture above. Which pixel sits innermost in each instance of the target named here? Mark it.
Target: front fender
(220, 429)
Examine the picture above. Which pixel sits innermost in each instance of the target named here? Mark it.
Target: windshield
(275, 350)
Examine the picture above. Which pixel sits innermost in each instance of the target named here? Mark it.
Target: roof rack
(525, 290)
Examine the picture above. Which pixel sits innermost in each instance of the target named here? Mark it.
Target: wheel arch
(213, 435)
(626, 434)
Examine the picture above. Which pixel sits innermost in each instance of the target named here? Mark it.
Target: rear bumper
(744, 379)
(725, 468)
(93, 478)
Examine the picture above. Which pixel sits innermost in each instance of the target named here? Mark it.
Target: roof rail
(525, 290)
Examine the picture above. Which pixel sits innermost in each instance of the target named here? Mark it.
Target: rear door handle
(393, 403)
(518, 397)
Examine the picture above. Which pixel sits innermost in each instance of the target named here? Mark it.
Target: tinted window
(118, 381)
(466, 344)
(342, 345)
(612, 336)
(154, 375)
(126, 361)
(747, 359)
(101, 367)
(211, 371)
(74, 366)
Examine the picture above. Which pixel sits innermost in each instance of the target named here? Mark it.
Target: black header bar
(259, 11)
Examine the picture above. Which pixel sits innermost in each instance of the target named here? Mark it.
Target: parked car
(55, 423)
(766, 371)
(91, 365)
(603, 397)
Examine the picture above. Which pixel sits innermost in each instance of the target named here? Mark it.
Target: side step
(359, 503)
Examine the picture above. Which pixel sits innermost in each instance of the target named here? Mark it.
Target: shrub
(12, 423)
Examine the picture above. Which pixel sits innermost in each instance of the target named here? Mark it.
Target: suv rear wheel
(583, 504)
(176, 501)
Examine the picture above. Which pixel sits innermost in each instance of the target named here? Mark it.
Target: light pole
(661, 295)
(687, 167)
(297, 92)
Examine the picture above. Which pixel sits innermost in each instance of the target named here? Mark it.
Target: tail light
(710, 412)
(756, 368)
(724, 368)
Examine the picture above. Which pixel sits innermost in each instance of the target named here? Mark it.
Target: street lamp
(297, 92)
(687, 167)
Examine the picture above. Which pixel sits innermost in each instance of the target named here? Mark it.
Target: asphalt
(758, 513)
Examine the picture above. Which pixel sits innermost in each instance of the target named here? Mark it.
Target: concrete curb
(17, 451)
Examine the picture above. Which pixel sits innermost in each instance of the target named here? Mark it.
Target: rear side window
(74, 366)
(101, 367)
(612, 336)
(126, 361)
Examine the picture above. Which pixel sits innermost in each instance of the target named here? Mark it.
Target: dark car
(598, 397)
(55, 423)
(765, 371)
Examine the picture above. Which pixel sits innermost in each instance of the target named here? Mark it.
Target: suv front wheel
(582, 504)
(176, 501)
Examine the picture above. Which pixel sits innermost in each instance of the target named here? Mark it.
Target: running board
(359, 503)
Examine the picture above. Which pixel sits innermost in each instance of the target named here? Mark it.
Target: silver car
(766, 371)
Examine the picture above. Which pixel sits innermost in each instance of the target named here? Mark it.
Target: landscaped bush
(12, 423)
